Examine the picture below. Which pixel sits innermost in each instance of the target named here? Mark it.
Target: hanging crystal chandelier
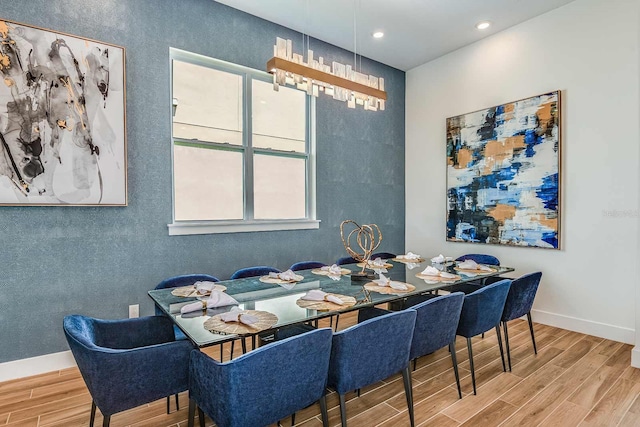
(340, 81)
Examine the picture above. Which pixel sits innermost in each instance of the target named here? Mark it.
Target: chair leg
(337, 320)
(232, 345)
(201, 417)
(473, 372)
(168, 404)
(244, 346)
(106, 420)
(454, 361)
(192, 413)
(408, 391)
(221, 354)
(323, 410)
(358, 392)
(533, 337)
(253, 342)
(343, 411)
(293, 419)
(93, 414)
(506, 342)
(499, 334)
(415, 362)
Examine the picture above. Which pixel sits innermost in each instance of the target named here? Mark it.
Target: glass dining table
(252, 294)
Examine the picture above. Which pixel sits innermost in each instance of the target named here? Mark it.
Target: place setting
(471, 268)
(241, 322)
(317, 299)
(410, 259)
(433, 275)
(198, 289)
(385, 285)
(334, 271)
(285, 277)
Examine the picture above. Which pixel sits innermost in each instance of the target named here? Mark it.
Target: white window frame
(248, 224)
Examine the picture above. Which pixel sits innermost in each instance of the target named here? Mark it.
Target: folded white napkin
(318, 295)
(334, 269)
(238, 315)
(285, 275)
(470, 264)
(409, 256)
(378, 262)
(412, 265)
(386, 282)
(432, 271)
(441, 259)
(204, 287)
(217, 299)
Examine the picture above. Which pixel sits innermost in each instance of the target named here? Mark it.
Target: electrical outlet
(134, 311)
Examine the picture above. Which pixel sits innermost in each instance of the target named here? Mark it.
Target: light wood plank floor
(575, 379)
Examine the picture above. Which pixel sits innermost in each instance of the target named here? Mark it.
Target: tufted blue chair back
(128, 363)
(260, 270)
(371, 351)
(185, 280)
(482, 309)
(521, 295)
(436, 323)
(480, 259)
(306, 265)
(263, 386)
(383, 255)
(346, 260)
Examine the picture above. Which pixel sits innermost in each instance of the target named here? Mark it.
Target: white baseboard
(635, 357)
(602, 330)
(36, 365)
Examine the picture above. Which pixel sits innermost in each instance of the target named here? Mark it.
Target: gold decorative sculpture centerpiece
(367, 237)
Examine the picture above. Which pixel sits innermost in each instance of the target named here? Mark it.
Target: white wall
(589, 50)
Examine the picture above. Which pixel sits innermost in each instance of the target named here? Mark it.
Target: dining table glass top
(252, 294)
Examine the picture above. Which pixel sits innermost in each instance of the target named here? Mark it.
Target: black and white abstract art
(62, 119)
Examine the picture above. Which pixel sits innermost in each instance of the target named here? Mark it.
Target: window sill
(217, 227)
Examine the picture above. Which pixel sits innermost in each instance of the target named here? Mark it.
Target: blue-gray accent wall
(97, 260)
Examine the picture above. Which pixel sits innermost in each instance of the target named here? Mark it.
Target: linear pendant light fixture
(341, 81)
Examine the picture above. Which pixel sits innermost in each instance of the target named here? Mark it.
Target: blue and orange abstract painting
(503, 174)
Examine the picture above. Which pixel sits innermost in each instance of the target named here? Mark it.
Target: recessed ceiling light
(483, 25)
(378, 35)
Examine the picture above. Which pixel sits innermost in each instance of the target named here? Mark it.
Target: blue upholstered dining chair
(519, 302)
(264, 386)
(436, 325)
(346, 260)
(261, 270)
(306, 265)
(482, 311)
(370, 352)
(177, 282)
(383, 255)
(127, 363)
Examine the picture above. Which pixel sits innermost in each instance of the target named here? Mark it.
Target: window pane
(279, 187)
(208, 184)
(279, 118)
(209, 104)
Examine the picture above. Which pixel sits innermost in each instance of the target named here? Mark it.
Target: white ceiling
(416, 31)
